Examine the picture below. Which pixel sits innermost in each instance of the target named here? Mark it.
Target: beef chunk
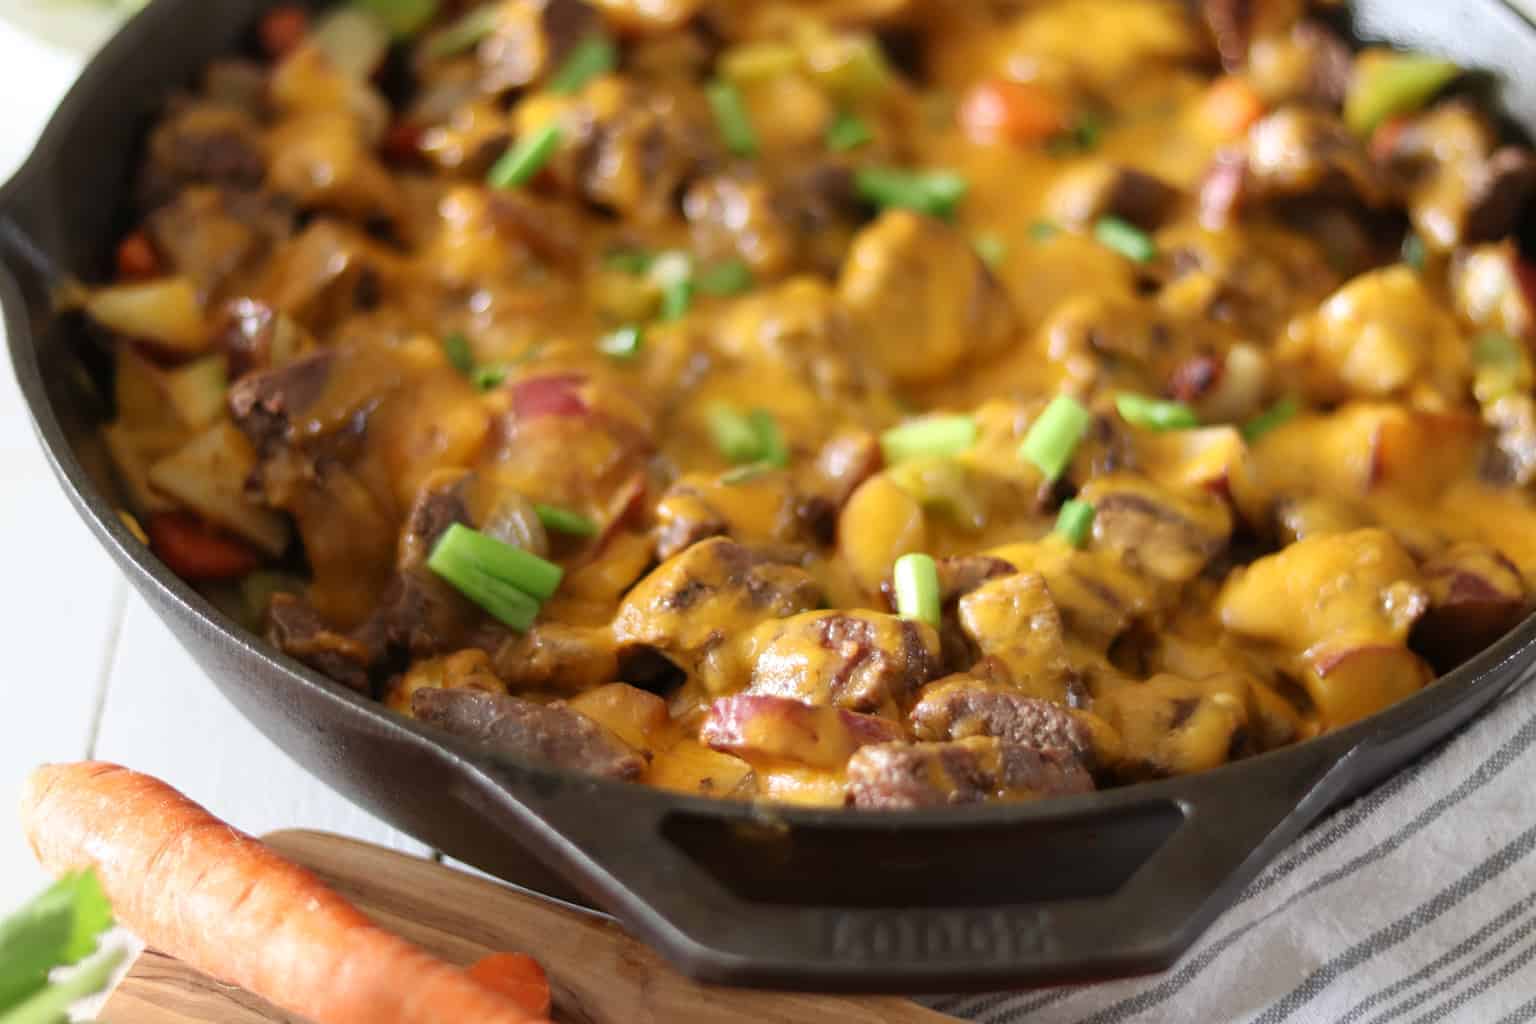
(1102, 189)
(961, 574)
(202, 145)
(907, 776)
(1476, 595)
(559, 656)
(297, 629)
(845, 462)
(1299, 151)
(775, 729)
(862, 661)
(1170, 537)
(253, 336)
(1500, 194)
(263, 404)
(532, 38)
(696, 608)
(442, 501)
(211, 234)
(954, 709)
(552, 734)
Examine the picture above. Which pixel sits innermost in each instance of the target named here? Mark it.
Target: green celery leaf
(60, 927)
(51, 1005)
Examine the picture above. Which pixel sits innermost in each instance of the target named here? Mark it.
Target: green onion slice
(732, 117)
(489, 378)
(1053, 438)
(916, 577)
(1125, 238)
(519, 164)
(772, 448)
(936, 193)
(629, 261)
(848, 132)
(930, 437)
(734, 434)
(676, 299)
(593, 57)
(456, 347)
(992, 249)
(1385, 87)
(624, 343)
(1042, 230)
(1496, 350)
(729, 278)
(1075, 522)
(506, 581)
(1414, 252)
(1155, 413)
(1276, 415)
(563, 520)
(463, 34)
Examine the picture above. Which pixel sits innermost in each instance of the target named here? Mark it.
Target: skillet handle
(1071, 890)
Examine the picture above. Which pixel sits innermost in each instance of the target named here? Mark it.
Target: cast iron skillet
(1106, 884)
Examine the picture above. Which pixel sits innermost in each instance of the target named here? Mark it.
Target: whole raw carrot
(207, 894)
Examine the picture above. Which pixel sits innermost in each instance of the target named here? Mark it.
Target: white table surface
(89, 670)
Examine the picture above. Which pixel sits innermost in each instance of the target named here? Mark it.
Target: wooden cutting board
(599, 974)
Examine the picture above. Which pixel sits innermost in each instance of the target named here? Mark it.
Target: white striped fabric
(1415, 904)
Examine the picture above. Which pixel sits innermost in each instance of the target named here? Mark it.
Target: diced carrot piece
(517, 976)
(1021, 113)
(196, 551)
(1385, 138)
(283, 29)
(136, 258)
(1231, 106)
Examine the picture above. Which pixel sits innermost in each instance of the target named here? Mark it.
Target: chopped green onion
(1155, 413)
(1075, 522)
(731, 116)
(1496, 350)
(1276, 415)
(735, 435)
(773, 449)
(519, 164)
(1054, 437)
(404, 17)
(1387, 85)
(1043, 230)
(992, 250)
(489, 378)
(624, 343)
(758, 62)
(916, 578)
(935, 193)
(594, 56)
(1083, 137)
(1413, 251)
(563, 520)
(850, 66)
(463, 34)
(729, 278)
(930, 437)
(460, 547)
(848, 132)
(676, 299)
(746, 474)
(456, 347)
(1125, 238)
(629, 261)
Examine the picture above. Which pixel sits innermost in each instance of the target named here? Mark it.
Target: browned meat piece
(532, 38)
(800, 326)
(1500, 194)
(556, 656)
(296, 629)
(696, 608)
(551, 230)
(1102, 189)
(551, 734)
(238, 84)
(211, 234)
(1170, 537)
(863, 661)
(906, 776)
(768, 729)
(423, 615)
(255, 337)
(845, 462)
(442, 501)
(1298, 151)
(922, 299)
(263, 404)
(1476, 595)
(958, 708)
(1245, 276)
(961, 574)
(202, 145)
(732, 217)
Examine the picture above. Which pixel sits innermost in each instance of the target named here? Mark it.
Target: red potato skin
(782, 729)
(193, 887)
(558, 395)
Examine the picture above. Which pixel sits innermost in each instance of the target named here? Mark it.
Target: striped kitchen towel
(1415, 904)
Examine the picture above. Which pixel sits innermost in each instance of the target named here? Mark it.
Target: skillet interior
(1116, 882)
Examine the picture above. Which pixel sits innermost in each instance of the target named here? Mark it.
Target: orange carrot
(197, 889)
(1231, 106)
(196, 551)
(1023, 113)
(136, 258)
(517, 976)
